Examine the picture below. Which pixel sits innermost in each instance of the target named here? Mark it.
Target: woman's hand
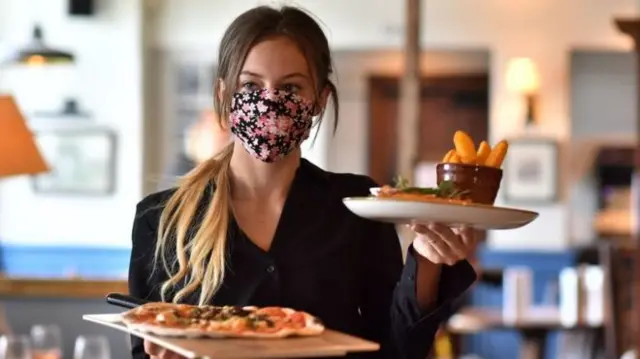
(443, 245)
(158, 352)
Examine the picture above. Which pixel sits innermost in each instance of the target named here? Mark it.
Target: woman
(258, 225)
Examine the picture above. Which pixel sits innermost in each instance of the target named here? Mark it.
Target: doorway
(448, 103)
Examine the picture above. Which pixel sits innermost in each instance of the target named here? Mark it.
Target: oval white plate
(479, 216)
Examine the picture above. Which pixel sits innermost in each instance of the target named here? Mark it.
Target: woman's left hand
(443, 245)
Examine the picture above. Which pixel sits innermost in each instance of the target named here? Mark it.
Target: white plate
(479, 216)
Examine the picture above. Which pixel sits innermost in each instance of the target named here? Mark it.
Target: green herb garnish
(445, 189)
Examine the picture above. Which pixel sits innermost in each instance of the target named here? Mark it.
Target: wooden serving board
(328, 344)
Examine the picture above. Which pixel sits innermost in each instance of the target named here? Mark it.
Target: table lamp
(19, 154)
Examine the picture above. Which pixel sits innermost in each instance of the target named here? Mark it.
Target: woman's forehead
(275, 59)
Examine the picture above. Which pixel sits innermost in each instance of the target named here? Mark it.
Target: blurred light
(522, 76)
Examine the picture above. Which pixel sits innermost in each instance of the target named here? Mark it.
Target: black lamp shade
(38, 53)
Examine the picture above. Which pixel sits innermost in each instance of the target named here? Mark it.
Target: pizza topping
(209, 312)
(445, 191)
(226, 321)
(169, 318)
(238, 311)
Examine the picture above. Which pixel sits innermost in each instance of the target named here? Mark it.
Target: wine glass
(15, 347)
(46, 342)
(91, 347)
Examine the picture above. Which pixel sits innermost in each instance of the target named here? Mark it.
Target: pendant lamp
(38, 53)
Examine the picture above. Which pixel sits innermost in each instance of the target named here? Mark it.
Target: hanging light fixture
(38, 53)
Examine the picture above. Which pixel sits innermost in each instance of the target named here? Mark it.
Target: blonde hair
(200, 256)
(197, 239)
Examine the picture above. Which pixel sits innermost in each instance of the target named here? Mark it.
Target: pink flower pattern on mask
(270, 123)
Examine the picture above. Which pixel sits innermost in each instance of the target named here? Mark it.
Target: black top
(325, 260)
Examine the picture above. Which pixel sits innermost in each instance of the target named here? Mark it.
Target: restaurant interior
(119, 92)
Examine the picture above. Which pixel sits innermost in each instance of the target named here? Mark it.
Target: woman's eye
(249, 86)
(291, 88)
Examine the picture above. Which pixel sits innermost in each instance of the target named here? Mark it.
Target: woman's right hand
(158, 352)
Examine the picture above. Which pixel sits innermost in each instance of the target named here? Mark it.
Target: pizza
(184, 320)
(445, 192)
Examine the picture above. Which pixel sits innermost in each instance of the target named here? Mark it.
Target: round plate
(479, 216)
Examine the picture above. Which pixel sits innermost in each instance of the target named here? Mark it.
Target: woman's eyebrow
(295, 74)
(249, 73)
(288, 76)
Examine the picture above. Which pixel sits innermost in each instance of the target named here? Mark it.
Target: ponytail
(200, 256)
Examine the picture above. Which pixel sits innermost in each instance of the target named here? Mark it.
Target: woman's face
(276, 64)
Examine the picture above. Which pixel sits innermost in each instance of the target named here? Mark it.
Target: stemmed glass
(15, 347)
(46, 342)
(91, 347)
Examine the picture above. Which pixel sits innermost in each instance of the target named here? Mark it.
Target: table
(533, 327)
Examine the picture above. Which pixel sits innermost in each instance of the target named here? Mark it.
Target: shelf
(60, 288)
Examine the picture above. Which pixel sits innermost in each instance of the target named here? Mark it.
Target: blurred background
(118, 97)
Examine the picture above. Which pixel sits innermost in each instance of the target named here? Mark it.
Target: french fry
(447, 157)
(454, 159)
(497, 155)
(465, 147)
(483, 152)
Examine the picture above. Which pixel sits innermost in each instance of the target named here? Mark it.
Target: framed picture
(531, 171)
(82, 162)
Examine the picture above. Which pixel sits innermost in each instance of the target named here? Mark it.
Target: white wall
(543, 30)
(108, 82)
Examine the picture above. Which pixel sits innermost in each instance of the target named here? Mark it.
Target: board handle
(124, 301)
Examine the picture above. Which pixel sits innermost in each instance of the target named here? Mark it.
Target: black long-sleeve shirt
(325, 260)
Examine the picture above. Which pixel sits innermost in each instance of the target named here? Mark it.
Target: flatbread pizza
(182, 320)
(445, 192)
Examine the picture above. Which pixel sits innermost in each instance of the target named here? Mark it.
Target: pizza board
(328, 344)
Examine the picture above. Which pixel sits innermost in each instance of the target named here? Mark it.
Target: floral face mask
(270, 123)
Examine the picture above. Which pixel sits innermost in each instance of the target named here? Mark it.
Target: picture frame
(82, 162)
(531, 171)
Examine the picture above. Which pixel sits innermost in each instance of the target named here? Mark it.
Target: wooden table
(533, 328)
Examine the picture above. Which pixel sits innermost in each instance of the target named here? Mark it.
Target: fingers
(469, 239)
(157, 352)
(451, 240)
(435, 242)
(450, 245)
(151, 349)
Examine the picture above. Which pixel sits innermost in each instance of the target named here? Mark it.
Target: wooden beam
(631, 27)
(409, 116)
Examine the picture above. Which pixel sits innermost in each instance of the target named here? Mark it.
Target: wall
(108, 82)
(603, 109)
(508, 29)
(603, 88)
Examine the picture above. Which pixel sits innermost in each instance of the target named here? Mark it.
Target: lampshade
(38, 53)
(19, 154)
(522, 76)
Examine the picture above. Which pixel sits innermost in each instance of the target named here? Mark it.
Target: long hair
(191, 246)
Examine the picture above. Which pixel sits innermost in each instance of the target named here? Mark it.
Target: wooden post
(631, 27)
(409, 117)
